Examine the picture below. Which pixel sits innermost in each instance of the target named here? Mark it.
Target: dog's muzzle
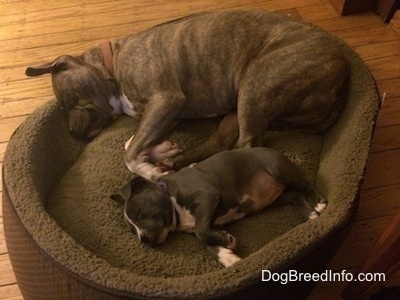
(86, 123)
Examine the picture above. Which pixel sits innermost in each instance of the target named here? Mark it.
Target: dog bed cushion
(60, 187)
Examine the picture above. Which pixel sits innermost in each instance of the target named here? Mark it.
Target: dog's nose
(145, 239)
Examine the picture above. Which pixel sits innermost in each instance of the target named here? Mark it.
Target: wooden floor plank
(352, 21)
(390, 86)
(23, 107)
(3, 246)
(6, 275)
(318, 12)
(376, 34)
(3, 147)
(24, 90)
(382, 169)
(360, 240)
(8, 126)
(385, 198)
(385, 68)
(10, 292)
(374, 50)
(389, 114)
(386, 138)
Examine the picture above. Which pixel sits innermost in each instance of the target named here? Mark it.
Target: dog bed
(67, 238)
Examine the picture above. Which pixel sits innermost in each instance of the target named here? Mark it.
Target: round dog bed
(67, 238)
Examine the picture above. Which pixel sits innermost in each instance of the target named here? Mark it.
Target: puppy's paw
(226, 257)
(319, 208)
(231, 241)
(313, 215)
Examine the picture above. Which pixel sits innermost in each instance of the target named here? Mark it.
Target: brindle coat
(257, 69)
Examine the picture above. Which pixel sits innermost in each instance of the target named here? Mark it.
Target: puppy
(221, 189)
(255, 69)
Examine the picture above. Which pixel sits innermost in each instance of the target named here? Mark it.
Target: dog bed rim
(121, 293)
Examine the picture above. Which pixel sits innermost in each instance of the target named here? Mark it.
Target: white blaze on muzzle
(139, 232)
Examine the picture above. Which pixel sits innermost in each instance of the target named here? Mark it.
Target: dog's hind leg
(288, 89)
(296, 198)
(309, 200)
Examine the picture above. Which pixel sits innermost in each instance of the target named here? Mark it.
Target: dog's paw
(226, 257)
(146, 169)
(319, 208)
(231, 241)
(163, 151)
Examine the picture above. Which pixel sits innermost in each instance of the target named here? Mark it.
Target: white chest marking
(139, 232)
(128, 107)
(186, 219)
(123, 105)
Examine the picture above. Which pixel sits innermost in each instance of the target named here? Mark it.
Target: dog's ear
(138, 183)
(132, 187)
(124, 193)
(39, 70)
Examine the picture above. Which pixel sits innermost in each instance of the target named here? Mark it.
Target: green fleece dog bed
(67, 238)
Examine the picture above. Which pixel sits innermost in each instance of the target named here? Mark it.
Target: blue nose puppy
(224, 188)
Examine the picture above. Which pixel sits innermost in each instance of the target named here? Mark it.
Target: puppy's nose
(145, 239)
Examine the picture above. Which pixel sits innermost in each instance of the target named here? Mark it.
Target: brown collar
(106, 50)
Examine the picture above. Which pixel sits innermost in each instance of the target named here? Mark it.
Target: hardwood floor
(35, 31)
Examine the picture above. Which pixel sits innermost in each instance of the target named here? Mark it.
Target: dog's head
(84, 91)
(148, 210)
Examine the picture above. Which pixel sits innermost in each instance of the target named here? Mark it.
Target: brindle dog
(258, 69)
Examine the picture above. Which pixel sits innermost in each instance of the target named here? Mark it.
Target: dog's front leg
(159, 117)
(220, 243)
(223, 138)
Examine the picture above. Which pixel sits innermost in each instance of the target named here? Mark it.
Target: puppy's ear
(138, 183)
(132, 187)
(124, 193)
(39, 70)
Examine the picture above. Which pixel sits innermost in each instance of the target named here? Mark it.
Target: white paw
(226, 257)
(320, 207)
(313, 215)
(142, 167)
(159, 152)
